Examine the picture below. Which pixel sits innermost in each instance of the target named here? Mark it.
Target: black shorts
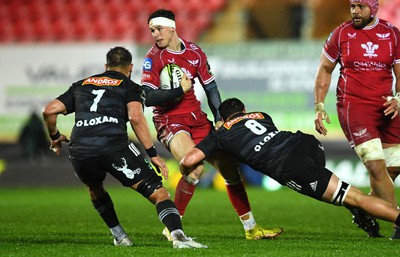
(128, 166)
(304, 169)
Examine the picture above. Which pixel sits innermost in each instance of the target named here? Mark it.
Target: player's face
(161, 35)
(360, 15)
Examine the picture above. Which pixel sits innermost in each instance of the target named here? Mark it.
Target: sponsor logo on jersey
(352, 36)
(147, 63)
(377, 66)
(187, 72)
(102, 81)
(194, 62)
(385, 36)
(253, 116)
(268, 137)
(194, 47)
(124, 169)
(96, 121)
(313, 185)
(171, 60)
(360, 133)
(370, 49)
(146, 76)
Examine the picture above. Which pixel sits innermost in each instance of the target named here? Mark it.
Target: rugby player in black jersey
(296, 160)
(103, 104)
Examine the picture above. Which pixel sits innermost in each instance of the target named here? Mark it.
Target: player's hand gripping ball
(170, 77)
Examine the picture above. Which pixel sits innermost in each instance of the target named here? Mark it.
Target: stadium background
(263, 51)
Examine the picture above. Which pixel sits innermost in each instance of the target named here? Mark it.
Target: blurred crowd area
(211, 21)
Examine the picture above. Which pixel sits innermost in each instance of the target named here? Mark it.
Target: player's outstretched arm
(160, 165)
(392, 103)
(322, 83)
(214, 99)
(142, 132)
(50, 113)
(191, 160)
(160, 96)
(139, 124)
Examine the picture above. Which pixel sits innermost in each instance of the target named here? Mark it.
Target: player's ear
(106, 66)
(131, 67)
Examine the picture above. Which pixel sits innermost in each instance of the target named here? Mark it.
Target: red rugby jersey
(366, 57)
(193, 62)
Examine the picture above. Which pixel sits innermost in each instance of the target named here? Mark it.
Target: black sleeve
(68, 99)
(209, 144)
(214, 99)
(161, 96)
(134, 93)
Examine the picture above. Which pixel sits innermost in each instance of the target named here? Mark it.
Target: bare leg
(228, 168)
(370, 204)
(181, 144)
(381, 183)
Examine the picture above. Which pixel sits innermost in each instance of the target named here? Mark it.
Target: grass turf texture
(62, 222)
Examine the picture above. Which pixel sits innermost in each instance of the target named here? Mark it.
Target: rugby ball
(171, 76)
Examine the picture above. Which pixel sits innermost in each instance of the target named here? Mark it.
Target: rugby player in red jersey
(368, 51)
(181, 124)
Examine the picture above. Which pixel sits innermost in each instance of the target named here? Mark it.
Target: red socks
(238, 196)
(183, 193)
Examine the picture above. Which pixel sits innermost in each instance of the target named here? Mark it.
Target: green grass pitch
(62, 222)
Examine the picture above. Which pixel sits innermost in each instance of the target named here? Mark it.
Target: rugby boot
(396, 233)
(365, 222)
(261, 233)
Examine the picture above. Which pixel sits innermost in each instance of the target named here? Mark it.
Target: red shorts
(195, 124)
(362, 122)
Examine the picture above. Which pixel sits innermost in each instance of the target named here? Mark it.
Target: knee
(159, 195)
(96, 192)
(233, 179)
(376, 168)
(393, 172)
(196, 173)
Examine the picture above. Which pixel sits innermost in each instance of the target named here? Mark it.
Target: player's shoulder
(191, 46)
(386, 24)
(78, 83)
(347, 25)
(153, 51)
(153, 58)
(130, 82)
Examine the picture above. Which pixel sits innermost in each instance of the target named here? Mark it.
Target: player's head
(229, 107)
(162, 27)
(363, 12)
(119, 58)
(372, 4)
(162, 13)
(359, 13)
